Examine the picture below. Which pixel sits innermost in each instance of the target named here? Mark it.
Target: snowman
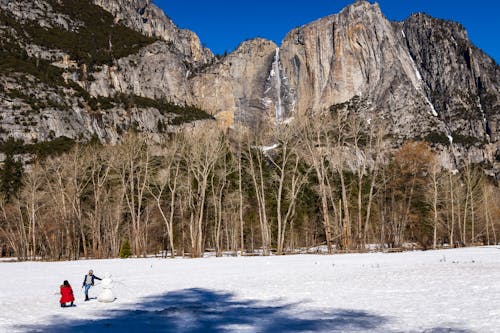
(106, 296)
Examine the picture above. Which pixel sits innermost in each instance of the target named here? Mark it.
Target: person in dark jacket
(66, 294)
(88, 281)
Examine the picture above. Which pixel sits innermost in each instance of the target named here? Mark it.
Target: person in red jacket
(66, 294)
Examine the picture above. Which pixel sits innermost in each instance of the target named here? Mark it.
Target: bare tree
(132, 164)
(204, 149)
(12, 228)
(434, 169)
(490, 205)
(33, 200)
(256, 156)
(165, 185)
(77, 182)
(410, 173)
(65, 184)
(316, 146)
(99, 175)
(472, 180)
(289, 178)
(376, 149)
(219, 183)
(451, 186)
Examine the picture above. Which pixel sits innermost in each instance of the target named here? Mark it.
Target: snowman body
(106, 296)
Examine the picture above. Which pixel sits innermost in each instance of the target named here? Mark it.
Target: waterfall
(275, 72)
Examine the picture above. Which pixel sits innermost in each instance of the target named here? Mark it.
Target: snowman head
(107, 275)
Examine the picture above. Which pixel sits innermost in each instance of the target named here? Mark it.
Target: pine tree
(125, 251)
(11, 175)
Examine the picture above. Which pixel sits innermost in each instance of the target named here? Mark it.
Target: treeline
(328, 179)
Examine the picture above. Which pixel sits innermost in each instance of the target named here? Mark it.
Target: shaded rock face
(234, 89)
(461, 81)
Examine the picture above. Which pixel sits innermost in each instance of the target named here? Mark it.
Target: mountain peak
(254, 44)
(145, 17)
(361, 5)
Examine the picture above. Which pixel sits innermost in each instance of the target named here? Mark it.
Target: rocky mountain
(71, 68)
(102, 66)
(422, 75)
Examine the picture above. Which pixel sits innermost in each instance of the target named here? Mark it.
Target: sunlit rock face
(40, 108)
(145, 17)
(357, 53)
(422, 77)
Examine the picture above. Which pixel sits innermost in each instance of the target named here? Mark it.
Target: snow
(420, 86)
(415, 68)
(450, 138)
(106, 295)
(288, 120)
(453, 290)
(403, 33)
(275, 72)
(268, 148)
(433, 110)
(417, 73)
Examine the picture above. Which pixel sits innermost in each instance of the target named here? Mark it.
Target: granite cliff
(422, 76)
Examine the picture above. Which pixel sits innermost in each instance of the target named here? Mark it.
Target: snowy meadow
(454, 290)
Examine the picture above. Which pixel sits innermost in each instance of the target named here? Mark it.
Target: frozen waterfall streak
(485, 121)
(275, 72)
(420, 86)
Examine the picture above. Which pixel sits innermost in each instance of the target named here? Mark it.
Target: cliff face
(235, 89)
(145, 17)
(422, 76)
(160, 70)
(75, 69)
(462, 82)
(357, 53)
(156, 71)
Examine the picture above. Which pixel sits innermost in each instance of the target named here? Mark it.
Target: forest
(330, 179)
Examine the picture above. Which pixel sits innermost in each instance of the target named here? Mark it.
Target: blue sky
(223, 24)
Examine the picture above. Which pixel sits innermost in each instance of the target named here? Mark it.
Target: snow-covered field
(434, 291)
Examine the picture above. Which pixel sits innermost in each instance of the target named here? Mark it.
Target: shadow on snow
(208, 311)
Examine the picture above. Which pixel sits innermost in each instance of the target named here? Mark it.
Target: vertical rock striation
(357, 53)
(234, 88)
(462, 82)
